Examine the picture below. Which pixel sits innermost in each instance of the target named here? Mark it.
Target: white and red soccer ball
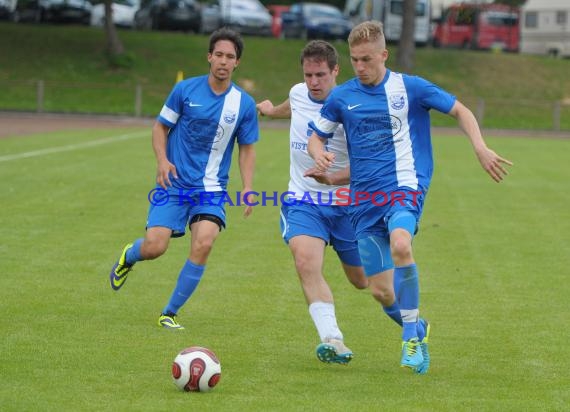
(196, 369)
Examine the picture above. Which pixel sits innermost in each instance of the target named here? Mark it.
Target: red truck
(478, 26)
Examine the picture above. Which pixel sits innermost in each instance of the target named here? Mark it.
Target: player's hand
(163, 172)
(250, 201)
(493, 164)
(319, 176)
(265, 108)
(324, 161)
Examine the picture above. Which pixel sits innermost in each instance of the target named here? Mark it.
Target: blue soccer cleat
(334, 351)
(411, 354)
(120, 270)
(424, 367)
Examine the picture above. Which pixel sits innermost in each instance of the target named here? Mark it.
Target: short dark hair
(319, 51)
(224, 33)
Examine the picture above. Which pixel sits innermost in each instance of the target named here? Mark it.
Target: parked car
(57, 11)
(243, 16)
(315, 21)
(276, 10)
(169, 14)
(123, 13)
(5, 10)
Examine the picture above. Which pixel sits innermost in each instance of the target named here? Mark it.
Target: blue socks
(393, 311)
(134, 253)
(188, 280)
(407, 288)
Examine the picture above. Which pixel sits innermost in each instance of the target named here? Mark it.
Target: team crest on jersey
(397, 101)
(229, 117)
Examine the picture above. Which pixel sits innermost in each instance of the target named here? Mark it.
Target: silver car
(243, 16)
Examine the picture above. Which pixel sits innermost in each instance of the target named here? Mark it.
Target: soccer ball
(196, 369)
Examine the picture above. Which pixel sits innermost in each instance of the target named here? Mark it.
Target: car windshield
(322, 11)
(245, 5)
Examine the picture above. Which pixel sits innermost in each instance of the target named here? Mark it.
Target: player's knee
(203, 246)
(401, 248)
(303, 263)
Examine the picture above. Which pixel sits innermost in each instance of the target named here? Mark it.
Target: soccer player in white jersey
(385, 116)
(311, 220)
(193, 139)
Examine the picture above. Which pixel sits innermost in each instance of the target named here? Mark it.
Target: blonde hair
(367, 32)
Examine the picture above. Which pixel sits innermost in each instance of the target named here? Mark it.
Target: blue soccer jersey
(203, 130)
(387, 129)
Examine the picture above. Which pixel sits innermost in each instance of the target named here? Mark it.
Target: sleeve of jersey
(322, 126)
(249, 129)
(172, 107)
(434, 97)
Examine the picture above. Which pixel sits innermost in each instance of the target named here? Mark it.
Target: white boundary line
(68, 148)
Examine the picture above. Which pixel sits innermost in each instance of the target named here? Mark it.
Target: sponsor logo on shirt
(229, 117)
(397, 101)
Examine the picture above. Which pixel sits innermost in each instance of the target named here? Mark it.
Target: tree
(407, 46)
(115, 47)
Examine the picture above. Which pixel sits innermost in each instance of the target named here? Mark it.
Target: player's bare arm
(164, 168)
(281, 111)
(316, 149)
(341, 177)
(247, 167)
(489, 160)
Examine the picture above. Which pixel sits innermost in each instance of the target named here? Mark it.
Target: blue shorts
(369, 219)
(330, 223)
(177, 211)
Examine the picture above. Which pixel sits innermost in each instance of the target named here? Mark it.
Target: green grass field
(493, 262)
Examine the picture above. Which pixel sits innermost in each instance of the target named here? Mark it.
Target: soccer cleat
(120, 270)
(334, 351)
(411, 354)
(424, 367)
(168, 321)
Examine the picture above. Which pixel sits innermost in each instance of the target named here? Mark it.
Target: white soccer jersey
(303, 110)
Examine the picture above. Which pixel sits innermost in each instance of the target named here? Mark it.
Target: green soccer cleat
(424, 367)
(120, 270)
(168, 321)
(411, 354)
(334, 351)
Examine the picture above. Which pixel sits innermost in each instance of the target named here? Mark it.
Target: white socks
(325, 320)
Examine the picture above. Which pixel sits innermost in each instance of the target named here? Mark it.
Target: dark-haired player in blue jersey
(193, 139)
(386, 119)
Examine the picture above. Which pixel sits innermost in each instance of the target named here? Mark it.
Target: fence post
(138, 100)
(40, 96)
(480, 111)
(556, 116)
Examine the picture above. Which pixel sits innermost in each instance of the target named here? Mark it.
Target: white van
(545, 27)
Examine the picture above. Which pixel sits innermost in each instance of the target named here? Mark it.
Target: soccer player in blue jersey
(308, 227)
(385, 116)
(193, 139)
